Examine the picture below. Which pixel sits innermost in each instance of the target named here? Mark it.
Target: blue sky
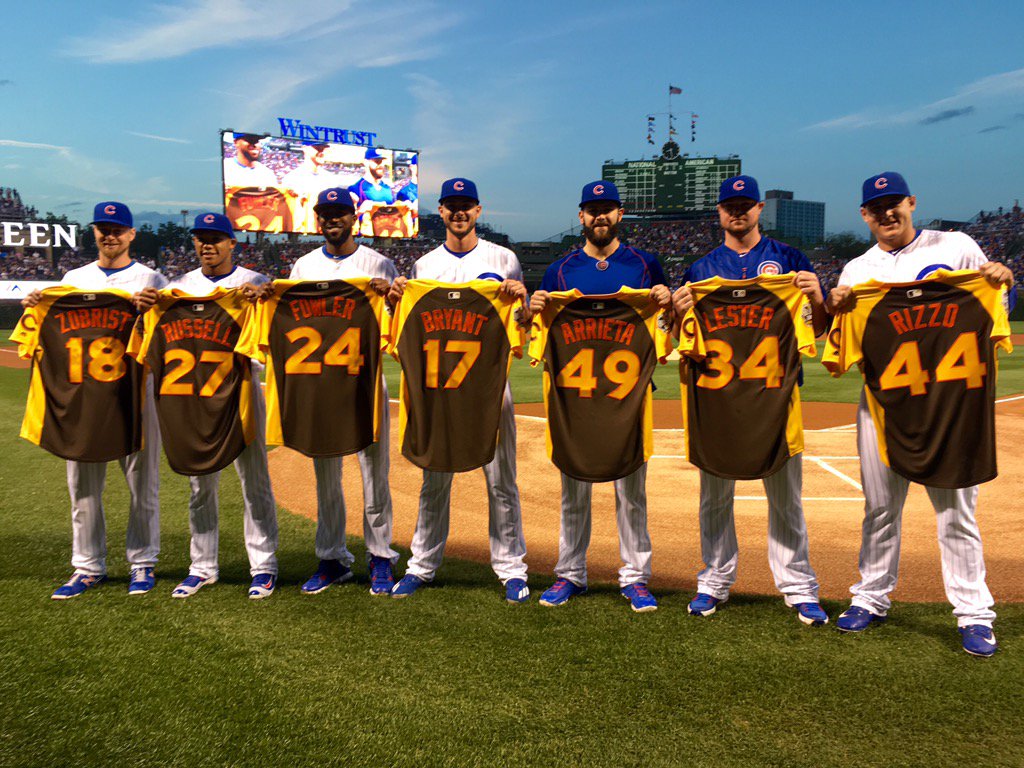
(125, 100)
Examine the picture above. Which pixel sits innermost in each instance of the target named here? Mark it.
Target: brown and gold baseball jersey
(85, 393)
(741, 344)
(260, 208)
(203, 389)
(927, 351)
(323, 340)
(454, 342)
(599, 354)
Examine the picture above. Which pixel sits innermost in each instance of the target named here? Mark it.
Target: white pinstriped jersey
(487, 261)
(198, 284)
(929, 251)
(363, 262)
(132, 278)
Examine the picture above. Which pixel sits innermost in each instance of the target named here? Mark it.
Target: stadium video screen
(271, 184)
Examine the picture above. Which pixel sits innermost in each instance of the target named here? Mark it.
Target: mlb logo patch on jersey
(914, 293)
(769, 268)
(739, 293)
(597, 305)
(454, 295)
(198, 307)
(88, 297)
(322, 286)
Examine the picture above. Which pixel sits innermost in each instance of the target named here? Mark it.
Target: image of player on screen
(245, 168)
(373, 197)
(307, 181)
(407, 197)
(252, 199)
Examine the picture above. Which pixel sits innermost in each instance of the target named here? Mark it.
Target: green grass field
(452, 676)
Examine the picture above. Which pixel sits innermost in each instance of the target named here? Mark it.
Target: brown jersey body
(85, 397)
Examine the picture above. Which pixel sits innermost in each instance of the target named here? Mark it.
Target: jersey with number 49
(85, 395)
(203, 389)
(454, 342)
(741, 344)
(323, 338)
(599, 354)
(927, 351)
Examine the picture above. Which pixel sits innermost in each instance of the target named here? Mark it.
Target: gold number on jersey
(470, 351)
(106, 359)
(621, 368)
(762, 363)
(343, 353)
(962, 362)
(172, 383)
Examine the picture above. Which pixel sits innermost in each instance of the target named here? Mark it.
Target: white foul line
(829, 468)
(805, 498)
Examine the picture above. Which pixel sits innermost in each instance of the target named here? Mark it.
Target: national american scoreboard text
(670, 183)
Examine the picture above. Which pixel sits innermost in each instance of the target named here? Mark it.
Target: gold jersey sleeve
(455, 344)
(740, 347)
(599, 354)
(928, 352)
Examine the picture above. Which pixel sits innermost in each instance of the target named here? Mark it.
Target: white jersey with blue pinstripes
(487, 261)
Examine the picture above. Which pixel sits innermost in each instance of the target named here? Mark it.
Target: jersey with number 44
(203, 389)
(741, 344)
(927, 351)
(85, 395)
(599, 354)
(455, 343)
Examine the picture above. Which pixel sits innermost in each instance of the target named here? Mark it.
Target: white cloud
(158, 138)
(993, 89)
(34, 145)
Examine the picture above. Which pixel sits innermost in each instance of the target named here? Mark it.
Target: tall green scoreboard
(670, 183)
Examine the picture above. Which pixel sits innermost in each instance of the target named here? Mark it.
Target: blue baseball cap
(599, 190)
(739, 186)
(112, 212)
(883, 184)
(373, 154)
(213, 222)
(458, 187)
(334, 197)
(252, 138)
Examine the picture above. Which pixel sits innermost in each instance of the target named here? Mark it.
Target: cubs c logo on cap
(738, 185)
(881, 182)
(208, 218)
(110, 210)
(599, 189)
(332, 195)
(458, 186)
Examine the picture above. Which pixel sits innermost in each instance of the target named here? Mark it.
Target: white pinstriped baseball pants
(259, 516)
(505, 527)
(788, 555)
(86, 481)
(963, 563)
(374, 464)
(631, 517)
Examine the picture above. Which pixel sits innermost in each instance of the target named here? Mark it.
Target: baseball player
(214, 241)
(245, 168)
(115, 268)
(307, 181)
(464, 257)
(746, 254)
(341, 258)
(371, 190)
(603, 266)
(903, 253)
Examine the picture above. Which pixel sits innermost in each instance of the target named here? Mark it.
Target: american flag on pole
(673, 91)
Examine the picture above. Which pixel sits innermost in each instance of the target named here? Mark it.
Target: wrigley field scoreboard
(670, 183)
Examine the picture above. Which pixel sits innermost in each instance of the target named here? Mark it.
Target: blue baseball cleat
(640, 599)
(516, 591)
(811, 614)
(406, 586)
(77, 585)
(142, 580)
(560, 592)
(262, 586)
(703, 604)
(192, 584)
(382, 580)
(857, 619)
(978, 640)
(327, 573)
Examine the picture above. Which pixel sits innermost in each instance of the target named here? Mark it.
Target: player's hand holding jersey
(454, 342)
(85, 395)
(927, 351)
(599, 354)
(741, 343)
(323, 341)
(203, 389)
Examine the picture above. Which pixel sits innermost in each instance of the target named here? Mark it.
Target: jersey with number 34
(926, 350)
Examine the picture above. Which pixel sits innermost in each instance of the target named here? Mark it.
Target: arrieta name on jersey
(454, 342)
(927, 351)
(85, 394)
(599, 354)
(741, 344)
(203, 389)
(323, 338)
